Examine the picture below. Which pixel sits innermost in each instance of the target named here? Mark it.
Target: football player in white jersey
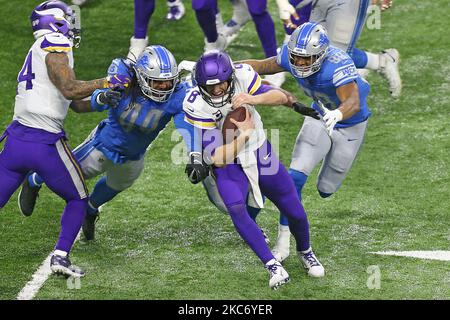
(35, 140)
(246, 168)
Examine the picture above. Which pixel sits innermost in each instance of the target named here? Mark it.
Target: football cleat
(62, 266)
(176, 10)
(311, 263)
(281, 249)
(27, 197)
(137, 46)
(240, 17)
(389, 61)
(89, 226)
(278, 275)
(220, 44)
(276, 79)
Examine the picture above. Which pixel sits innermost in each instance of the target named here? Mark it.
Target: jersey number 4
(26, 74)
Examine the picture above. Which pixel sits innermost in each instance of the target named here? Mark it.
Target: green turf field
(162, 239)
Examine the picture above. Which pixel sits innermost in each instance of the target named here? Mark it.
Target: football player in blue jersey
(344, 21)
(116, 147)
(327, 75)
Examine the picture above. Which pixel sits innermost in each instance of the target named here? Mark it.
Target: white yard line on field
(39, 277)
(431, 255)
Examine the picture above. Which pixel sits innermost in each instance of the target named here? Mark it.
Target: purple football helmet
(55, 16)
(212, 68)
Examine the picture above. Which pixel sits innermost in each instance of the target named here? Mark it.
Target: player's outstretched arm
(271, 97)
(274, 97)
(266, 66)
(100, 101)
(63, 77)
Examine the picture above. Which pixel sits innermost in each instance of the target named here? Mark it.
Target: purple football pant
(61, 173)
(205, 12)
(143, 10)
(276, 184)
(264, 26)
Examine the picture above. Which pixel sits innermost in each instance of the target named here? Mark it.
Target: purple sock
(250, 232)
(266, 32)
(71, 221)
(143, 10)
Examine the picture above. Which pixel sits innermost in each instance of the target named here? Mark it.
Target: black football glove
(196, 169)
(110, 98)
(304, 110)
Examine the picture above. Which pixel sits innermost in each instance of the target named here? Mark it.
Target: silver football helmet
(156, 63)
(308, 41)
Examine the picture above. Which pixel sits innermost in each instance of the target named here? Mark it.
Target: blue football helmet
(309, 41)
(156, 63)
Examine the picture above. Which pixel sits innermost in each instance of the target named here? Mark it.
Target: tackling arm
(274, 96)
(266, 66)
(63, 77)
(270, 97)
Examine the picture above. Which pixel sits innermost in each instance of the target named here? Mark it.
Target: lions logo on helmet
(55, 16)
(157, 73)
(307, 47)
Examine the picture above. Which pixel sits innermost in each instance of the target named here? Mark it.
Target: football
(228, 128)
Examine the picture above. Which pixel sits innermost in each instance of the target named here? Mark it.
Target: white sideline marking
(431, 255)
(39, 277)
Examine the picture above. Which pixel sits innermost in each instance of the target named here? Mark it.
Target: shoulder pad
(56, 42)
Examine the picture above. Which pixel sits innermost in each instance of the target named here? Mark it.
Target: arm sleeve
(262, 89)
(345, 73)
(95, 106)
(255, 82)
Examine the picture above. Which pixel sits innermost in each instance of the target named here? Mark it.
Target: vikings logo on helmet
(55, 16)
(215, 67)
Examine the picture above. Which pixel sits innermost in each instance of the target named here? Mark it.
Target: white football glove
(186, 65)
(285, 9)
(331, 117)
